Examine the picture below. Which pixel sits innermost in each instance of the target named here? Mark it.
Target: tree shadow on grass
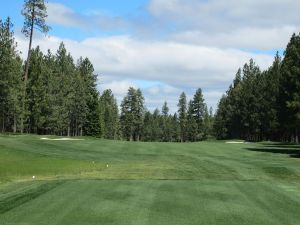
(289, 149)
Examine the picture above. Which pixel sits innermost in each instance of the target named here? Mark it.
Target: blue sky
(166, 46)
(112, 8)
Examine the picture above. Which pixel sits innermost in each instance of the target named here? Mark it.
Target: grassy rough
(147, 183)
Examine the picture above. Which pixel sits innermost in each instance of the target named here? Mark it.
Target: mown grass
(147, 183)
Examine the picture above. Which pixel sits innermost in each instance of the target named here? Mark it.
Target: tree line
(192, 122)
(59, 96)
(52, 94)
(263, 105)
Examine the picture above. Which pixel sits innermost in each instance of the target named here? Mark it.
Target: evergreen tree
(11, 88)
(92, 125)
(221, 117)
(290, 89)
(36, 92)
(65, 97)
(208, 122)
(166, 123)
(148, 124)
(250, 102)
(182, 114)
(234, 107)
(139, 111)
(132, 115)
(109, 114)
(192, 126)
(35, 14)
(198, 110)
(126, 119)
(175, 128)
(269, 101)
(256, 106)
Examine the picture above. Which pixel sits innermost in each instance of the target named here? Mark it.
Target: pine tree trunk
(23, 110)
(29, 47)
(76, 129)
(15, 124)
(27, 70)
(68, 131)
(3, 122)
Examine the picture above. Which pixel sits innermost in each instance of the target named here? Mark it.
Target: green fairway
(108, 182)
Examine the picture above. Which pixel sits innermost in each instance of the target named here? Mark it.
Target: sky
(165, 47)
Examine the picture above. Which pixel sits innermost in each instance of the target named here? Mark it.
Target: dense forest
(263, 105)
(54, 94)
(60, 97)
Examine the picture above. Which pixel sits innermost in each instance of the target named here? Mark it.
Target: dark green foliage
(290, 90)
(11, 87)
(152, 129)
(208, 122)
(166, 126)
(35, 14)
(109, 115)
(182, 116)
(263, 105)
(240, 111)
(61, 98)
(192, 125)
(90, 113)
(132, 115)
(199, 112)
(221, 119)
(37, 94)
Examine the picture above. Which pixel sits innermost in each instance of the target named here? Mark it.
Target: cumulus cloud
(250, 38)
(219, 23)
(169, 62)
(264, 24)
(62, 15)
(118, 87)
(226, 14)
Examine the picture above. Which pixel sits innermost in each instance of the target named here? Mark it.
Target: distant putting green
(91, 181)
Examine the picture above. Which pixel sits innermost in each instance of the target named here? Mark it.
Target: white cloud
(60, 14)
(118, 87)
(169, 62)
(251, 38)
(227, 14)
(263, 24)
(220, 23)
(162, 89)
(95, 19)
